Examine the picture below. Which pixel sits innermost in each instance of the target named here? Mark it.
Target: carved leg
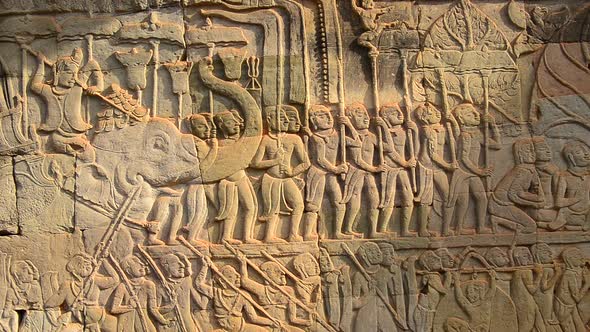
(405, 218)
(310, 232)
(423, 220)
(294, 200)
(373, 201)
(384, 218)
(271, 230)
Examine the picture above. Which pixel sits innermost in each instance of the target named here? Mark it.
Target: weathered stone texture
(284, 165)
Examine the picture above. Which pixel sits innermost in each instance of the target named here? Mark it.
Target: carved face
(446, 258)
(294, 121)
(233, 277)
(429, 115)
(283, 123)
(523, 257)
(66, 74)
(580, 155)
(136, 268)
(544, 254)
(359, 117)
(498, 257)
(175, 268)
(229, 125)
(392, 115)
(83, 267)
(311, 267)
(373, 255)
(468, 115)
(542, 151)
(473, 292)
(322, 120)
(388, 255)
(527, 154)
(276, 274)
(23, 272)
(200, 127)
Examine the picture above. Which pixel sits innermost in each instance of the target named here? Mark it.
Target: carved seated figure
(63, 97)
(573, 190)
(518, 190)
(25, 295)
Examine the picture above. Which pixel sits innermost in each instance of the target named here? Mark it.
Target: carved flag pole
(171, 294)
(280, 289)
(408, 119)
(378, 291)
(132, 293)
(216, 270)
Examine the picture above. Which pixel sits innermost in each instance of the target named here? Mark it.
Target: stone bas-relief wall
(282, 165)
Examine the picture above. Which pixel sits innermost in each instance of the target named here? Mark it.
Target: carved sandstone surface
(283, 165)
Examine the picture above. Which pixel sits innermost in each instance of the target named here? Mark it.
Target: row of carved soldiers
(345, 162)
(384, 293)
(393, 164)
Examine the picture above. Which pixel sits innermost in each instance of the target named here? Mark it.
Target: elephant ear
(235, 156)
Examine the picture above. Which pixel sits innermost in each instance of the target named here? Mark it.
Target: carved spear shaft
(166, 286)
(280, 289)
(341, 110)
(408, 102)
(485, 75)
(132, 293)
(108, 237)
(285, 270)
(446, 110)
(378, 291)
(156, 58)
(215, 269)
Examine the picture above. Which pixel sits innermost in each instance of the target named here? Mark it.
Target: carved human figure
(337, 289)
(520, 188)
(275, 154)
(497, 257)
(544, 297)
(467, 180)
(235, 192)
(230, 306)
(176, 307)
(276, 303)
(127, 305)
(429, 291)
(523, 286)
(309, 286)
(476, 302)
(571, 290)
(25, 296)
(204, 132)
(392, 264)
(63, 98)
(373, 314)
(573, 189)
(80, 293)
(432, 167)
(396, 183)
(294, 120)
(547, 170)
(360, 178)
(322, 176)
(369, 15)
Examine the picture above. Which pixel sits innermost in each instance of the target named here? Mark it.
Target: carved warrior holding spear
(324, 144)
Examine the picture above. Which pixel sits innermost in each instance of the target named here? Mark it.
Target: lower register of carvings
(282, 165)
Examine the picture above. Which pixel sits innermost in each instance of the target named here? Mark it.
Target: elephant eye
(160, 144)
